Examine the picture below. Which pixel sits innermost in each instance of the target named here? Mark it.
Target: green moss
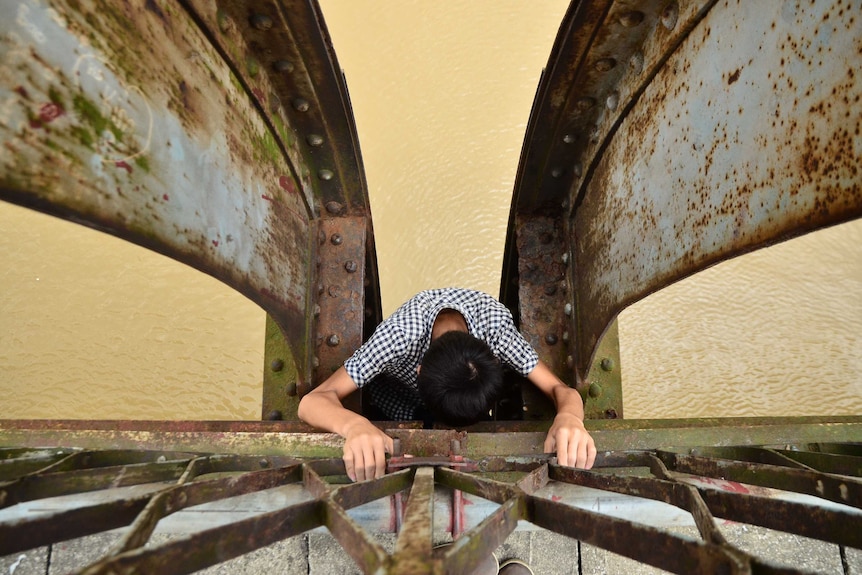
(55, 96)
(90, 113)
(142, 162)
(83, 135)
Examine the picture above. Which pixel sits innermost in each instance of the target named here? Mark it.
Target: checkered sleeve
(384, 347)
(509, 345)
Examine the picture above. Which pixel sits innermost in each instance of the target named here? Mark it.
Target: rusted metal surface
(672, 135)
(221, 156)
(704, 487)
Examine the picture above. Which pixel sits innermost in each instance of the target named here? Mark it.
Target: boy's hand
(571, 441)
(365, 449)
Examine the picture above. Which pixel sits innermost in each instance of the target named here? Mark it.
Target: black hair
(460, 378)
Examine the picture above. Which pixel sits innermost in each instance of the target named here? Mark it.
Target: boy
(439, 357)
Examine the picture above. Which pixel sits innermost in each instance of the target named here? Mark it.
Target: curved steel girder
(673, 135)
(214, 133)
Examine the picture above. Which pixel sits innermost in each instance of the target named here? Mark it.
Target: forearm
(568, 400)
(323, 410)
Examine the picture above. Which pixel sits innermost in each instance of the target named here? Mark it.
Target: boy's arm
(567, 436)
(365, 446)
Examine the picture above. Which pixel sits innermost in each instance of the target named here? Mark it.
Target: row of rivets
(630, 19)
(264, 23)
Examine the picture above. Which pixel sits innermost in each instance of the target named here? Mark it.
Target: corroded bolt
(607, 364)
(595, 390)
(315, 140)
(605, 64)
(264, 462)
(585, 103)
(334, 291)
(565, 257)
(350, 266)
(277, 364)
(569, 139)
(613, 100)
(300, 104)
(610, 413)
(260, 21)
(333, 340)
(325, 174)
(334, 208)
(670, 15)
(336, 239)
(291, 388)
(550, 339)
(567, 309)
(283, 66)
(274, 415)
(636, 62)
(631, 19)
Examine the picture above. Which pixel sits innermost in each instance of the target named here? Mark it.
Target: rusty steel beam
(670, 135)
(215, 133)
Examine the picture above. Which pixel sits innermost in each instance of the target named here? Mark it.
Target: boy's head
(459, 379)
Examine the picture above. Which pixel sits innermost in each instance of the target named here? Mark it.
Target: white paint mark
(14, 565)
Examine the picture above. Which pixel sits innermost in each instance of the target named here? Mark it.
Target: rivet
(315, 140)
(550, 338)
(277, 364)
(334, 208)
(605, 64)
(567, 309)
(333, 340)
(336, 239)
(300, 104)
(334, 291)
(613, 100)
(570, 361)
(325, 174)
(260, 21)
(595, 390)
(631, 19)
(610, 413)
(316, 310)
(274, 415)
(283, 66)
(291, 388)
(556, 172)
(350, 266)
(550, 289)
(566, 336)
(565, 258)
(585, 103)
(636, 62)
(670, 15)
(577, 169)
(274, 103)
(569, 139)
(264, 462)
(607, 364)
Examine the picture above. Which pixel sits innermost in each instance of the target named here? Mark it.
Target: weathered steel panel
(670, 135)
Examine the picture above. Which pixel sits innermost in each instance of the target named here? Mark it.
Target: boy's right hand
(365, 449)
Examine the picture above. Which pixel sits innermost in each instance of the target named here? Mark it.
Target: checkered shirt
(399, 343)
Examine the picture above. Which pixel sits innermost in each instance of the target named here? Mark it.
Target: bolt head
(567, 309)
(334, 208)
(607, 364)
(291, 388)
(631, 19)
(610, 414)
(336, 239)
(605, 64)
(274, 415)
(325, 174)
(350, 266)
(315, 140)
(334, 291)
(333, 340)
(300, 104)
(595, 390)
(551, 338)
(670, 15)
(277, 364)
(260, 22)
(282, 66)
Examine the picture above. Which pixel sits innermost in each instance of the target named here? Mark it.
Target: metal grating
(826, 475)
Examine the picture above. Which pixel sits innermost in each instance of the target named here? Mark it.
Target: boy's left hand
(571, 441)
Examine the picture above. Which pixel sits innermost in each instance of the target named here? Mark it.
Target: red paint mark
(122, 164)
(267, 198)
(21, 91)
(259, 94)
(734, 487)
(50, 112)
(556, 498)
(286, 183)
(215, 243)
(165, 197)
